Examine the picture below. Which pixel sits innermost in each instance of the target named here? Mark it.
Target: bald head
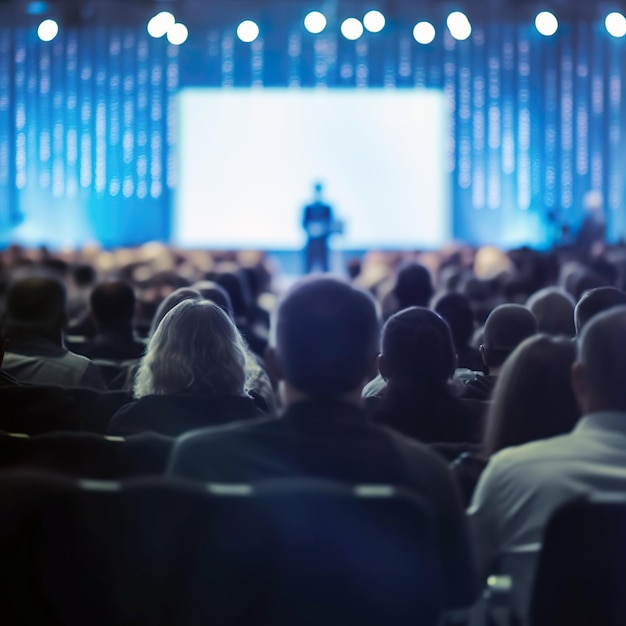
(599, 372)
(325, 337)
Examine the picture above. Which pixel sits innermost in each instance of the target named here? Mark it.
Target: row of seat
(157, 552)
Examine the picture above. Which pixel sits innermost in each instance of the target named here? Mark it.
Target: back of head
(35, 304)
(210, 290)
(237, 290)
(553, 309)
(326, 336)
(113, 304)
(506, 327)
(417, 350)
(456, 310)
(533, 397)
(169, 302)
(595, 301)
(196, 347)
(602, 353)
(414, 285)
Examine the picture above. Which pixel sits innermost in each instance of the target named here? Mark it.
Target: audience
(417, 362)
(192, 375)
(553, 309)
(595, 301)
(506, 327)
(323, 349)
(523, 485)
(112, 305)
(203, 377)
(35, 319)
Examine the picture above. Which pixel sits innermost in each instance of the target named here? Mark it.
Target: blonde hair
(196, 347)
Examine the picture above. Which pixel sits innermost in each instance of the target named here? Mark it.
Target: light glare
(615, 24)
(459, 26)
(160, 24)
(315, 22)
(546, 23)
(374, 21)
(177, 34)
(247, 31)
(424, 32)
(47, 30)
(351, 28)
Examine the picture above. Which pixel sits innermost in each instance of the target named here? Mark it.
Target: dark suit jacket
(177, 413)
(336, 441)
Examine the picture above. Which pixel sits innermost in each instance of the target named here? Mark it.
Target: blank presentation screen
(248, 160)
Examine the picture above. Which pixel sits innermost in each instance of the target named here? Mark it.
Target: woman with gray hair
(192, 375)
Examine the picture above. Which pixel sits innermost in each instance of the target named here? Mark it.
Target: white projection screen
(247, 160)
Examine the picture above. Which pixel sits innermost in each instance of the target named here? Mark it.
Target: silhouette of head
(325, 337)
(596, 301)
(598, 374)
(506, 327)
(35, 304)
(417, 349)
(456, 310)
(553, 309)
(414, 286)
(533, 397)
(113, 305)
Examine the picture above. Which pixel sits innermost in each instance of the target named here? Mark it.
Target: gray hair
(196, 347)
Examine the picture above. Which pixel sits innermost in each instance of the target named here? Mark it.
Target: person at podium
(318, 223)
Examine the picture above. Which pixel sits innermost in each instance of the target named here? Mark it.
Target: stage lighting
(160, 24)
(424, 32)
(47, 30)
(546, 23)
(177, 34)
(315, 22)
(459, 26)
(615, 24)
(247, 31)
(374, 21)
(351, 28)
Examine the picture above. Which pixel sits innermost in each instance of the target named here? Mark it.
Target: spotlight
(424, 32)
(351, 28)
(615, 24)
(374, 21)
(315, 22)
(247, 31)
(160, 24)
(459, 26)
(47, 30)
(546, 23)
(177, 34)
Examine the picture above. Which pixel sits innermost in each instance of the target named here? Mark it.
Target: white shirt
(522, 486)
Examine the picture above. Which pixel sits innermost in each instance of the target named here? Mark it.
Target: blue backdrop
(87, 120)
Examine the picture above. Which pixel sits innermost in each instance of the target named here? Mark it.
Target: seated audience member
(522, 486)
(112, 307)
(506, 327)
(413, 287)
(193, 375)
(418, 361)
(533, 399)
(595, 301)
(456, 310)
(210, 290)
(553, 309)
(35, 318)
(323, 348)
